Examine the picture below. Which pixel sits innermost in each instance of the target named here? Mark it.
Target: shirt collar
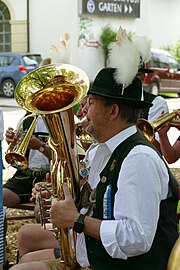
(120, 137)
(112, 143)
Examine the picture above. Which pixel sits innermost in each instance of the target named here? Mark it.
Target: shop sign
(122, 8)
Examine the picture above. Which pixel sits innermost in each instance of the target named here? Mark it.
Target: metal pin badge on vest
(113, 164)
(84, 171)
(103, 179)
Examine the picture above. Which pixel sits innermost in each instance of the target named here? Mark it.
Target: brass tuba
(52, 91)
(174, 258)
(15, 153)
(150, 128)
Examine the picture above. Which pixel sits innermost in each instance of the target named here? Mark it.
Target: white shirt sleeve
(136, 208)
(159, 107)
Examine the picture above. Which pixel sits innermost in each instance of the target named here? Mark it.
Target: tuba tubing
(150, 128)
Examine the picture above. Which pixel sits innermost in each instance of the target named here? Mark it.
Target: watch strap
(79, 224)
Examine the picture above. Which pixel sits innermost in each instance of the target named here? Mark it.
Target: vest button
(103, 179)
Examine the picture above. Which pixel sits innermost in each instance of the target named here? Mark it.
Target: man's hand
(9, 135)
(176, 123)
(163, 131)
(36, 190)
(36, 197)
(64, 213)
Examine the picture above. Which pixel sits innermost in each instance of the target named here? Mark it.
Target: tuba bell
(52, 91)
(150, 128)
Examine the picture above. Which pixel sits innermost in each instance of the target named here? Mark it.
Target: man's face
(98, 116)
(82, 111)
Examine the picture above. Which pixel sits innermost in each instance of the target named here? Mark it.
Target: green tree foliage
(174, 50)
(107, 36)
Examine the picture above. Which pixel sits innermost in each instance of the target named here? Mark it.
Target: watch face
(78, 227)
(79, 224)
(41, 149)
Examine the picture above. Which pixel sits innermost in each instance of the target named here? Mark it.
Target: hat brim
(129, 101)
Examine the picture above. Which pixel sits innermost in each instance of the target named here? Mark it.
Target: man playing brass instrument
(133, 221)
(46, 246)
(18, 189)
(129, 227)
(170, 152)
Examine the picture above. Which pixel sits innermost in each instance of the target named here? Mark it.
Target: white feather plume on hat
(144, 47)
(124, 57)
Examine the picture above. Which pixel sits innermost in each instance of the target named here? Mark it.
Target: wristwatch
(79, 224)
(41, 148)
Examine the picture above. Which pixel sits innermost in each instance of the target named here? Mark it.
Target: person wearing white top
(126, 232)
(49, 247)
(130, 222)
(18, 189)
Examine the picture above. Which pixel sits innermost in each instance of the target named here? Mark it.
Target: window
(173, 64)
(5, 28)
(7, 61)
(158, 61)
(32, 59)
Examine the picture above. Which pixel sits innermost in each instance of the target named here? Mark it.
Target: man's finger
(66, 191)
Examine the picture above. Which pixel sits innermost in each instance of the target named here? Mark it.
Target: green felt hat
(105, 85)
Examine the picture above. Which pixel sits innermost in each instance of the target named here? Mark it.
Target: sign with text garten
(122, 8)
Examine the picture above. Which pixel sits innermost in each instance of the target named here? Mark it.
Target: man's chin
(89, 129)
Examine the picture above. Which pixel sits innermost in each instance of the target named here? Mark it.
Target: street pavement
(8, 102)
(12, 114)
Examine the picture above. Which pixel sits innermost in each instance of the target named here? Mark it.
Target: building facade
(31, 25)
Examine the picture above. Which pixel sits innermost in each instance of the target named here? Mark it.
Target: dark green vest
(166, 235)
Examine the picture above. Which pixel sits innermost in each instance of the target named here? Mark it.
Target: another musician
(170, 152)
(18, 189)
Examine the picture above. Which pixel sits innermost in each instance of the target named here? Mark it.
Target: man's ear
(114, 111)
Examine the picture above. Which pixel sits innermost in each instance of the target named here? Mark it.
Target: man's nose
(85, 109)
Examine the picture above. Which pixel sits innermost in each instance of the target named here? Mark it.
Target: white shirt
(142, 184)
(37, 161)
(159, 107)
